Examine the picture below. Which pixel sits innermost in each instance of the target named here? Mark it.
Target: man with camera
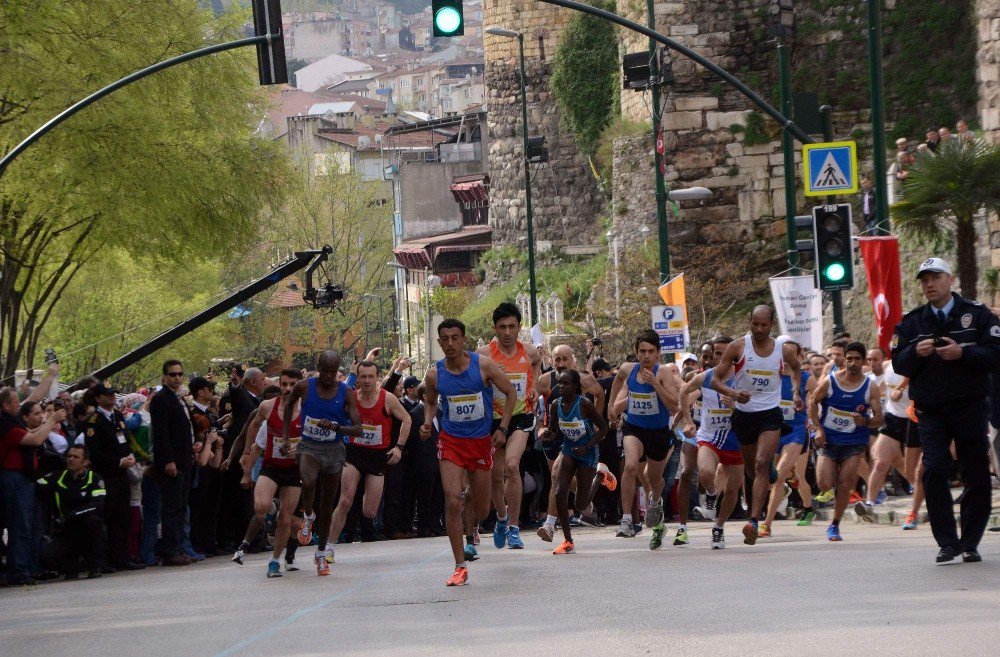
(949, 347)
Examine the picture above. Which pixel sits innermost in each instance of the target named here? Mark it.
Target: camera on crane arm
(325, 296)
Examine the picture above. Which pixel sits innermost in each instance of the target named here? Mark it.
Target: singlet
(878, 380)
(760, 376)
(644, 407)
(892, 381)
(376, 424)
(838, 406)
(464, 400)
(574, 427)
(518, 370)
(788, 413)
(272, 440)
(715, 418)
(315, 408)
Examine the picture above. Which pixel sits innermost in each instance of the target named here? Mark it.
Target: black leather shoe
(946, 555)
(95, 574)
(131, 565)
(971, 556)
(72, 576)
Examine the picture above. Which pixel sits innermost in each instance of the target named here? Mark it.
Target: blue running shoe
(574, 521)
(881, 497)
(471, 554)
(500, 533)
(833, 533)
(514, 541)
(273, 569)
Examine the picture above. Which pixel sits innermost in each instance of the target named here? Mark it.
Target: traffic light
(537, 152)
(447, 18)
(834, 251)
(271, 65)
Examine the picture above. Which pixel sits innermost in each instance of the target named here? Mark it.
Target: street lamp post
(613, 243)
(431, 282)
(532, 290)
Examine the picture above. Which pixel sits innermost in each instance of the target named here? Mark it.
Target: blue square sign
(830, 168)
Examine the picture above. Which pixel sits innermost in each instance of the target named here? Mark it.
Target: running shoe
(764, 531)
(305, 534)
(625, 529)
(500, 533)
(458, 578)
(718, 538)
(329, 554)
(911, 521)
(273, 569)
(514, 541)
(881, 497)
(654, 514)
(608, 480)
(709, 511)
(239, 556)
(865, 511)
(566, 547)
(833, 533)
(855, 497)
(656, 540)
(545, 532)
(750, 532)
(807, 518)
(681, 538)
(824, 497)
(574, 521)
(637, 528)
(471, 554)
(322, 567)
(290, 567)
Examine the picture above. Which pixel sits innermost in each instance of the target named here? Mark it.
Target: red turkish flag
(881, 258)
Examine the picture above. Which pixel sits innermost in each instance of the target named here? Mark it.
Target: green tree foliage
(167, 169)
(944, 192)
(585, 76)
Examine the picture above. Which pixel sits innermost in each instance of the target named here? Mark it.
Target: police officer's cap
(935, 265)
(102, 389)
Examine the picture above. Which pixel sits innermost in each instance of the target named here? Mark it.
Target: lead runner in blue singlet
(462, 384)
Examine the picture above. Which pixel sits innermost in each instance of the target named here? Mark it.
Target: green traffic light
(447, 20)
(835, 272)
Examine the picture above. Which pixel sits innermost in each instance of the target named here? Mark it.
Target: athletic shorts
(749, 425)
(797, 437)
(282, 476)
(368, 461)
(467, 453)
(255, 471)
(901, 429)
(521, 422)
(656, 443)
(726, 456)
(590, 459)
(840, 453)
(330, 455)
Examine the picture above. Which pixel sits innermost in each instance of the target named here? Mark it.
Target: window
(468, 94)
(404, 83)
(476, 213)
(418, 82)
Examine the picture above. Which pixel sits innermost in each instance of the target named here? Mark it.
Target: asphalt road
(878, 592)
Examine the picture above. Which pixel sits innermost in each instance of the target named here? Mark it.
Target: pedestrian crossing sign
(830, 168)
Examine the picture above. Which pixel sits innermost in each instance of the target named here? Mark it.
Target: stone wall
(565, 198)
(988, 76)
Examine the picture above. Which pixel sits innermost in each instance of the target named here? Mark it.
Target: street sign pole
(826, 115)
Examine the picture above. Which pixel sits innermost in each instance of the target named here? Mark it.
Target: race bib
(313, 431)
(839, 421)
(719, 419)
(371, 435)
(466, 408)
(643, 403)
(573, 430)
(787, 410)
(762, 380)
(520, 382)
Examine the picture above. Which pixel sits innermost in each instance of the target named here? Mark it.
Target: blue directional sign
(830, 168)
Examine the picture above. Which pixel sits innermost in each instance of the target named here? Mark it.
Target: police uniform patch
(995, 331)
(966, 320)
(90, 432)
(895, 342)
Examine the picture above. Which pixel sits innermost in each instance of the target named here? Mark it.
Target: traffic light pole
(533, 292)
(874, 8)
(661, 185)
(124, 82)
(788, 153)
(826, 114)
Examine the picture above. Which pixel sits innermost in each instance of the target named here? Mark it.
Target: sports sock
(835, 523)
(627, 517)
(550, 521)
(682, 527)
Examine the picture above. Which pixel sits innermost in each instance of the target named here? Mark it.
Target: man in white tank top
(758, 361)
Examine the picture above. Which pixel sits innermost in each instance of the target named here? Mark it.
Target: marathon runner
(581, 427)
(563, 359)
(792, 444)
(464, 381)
(652, 399)
(329, 418)
(839, 409)
(372, 453)
(886, 451)
(522, 365)
(279, 474)
(717, 445)
(758, 361)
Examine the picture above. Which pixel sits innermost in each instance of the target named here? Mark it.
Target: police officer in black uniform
(949, 347)
(111, 457)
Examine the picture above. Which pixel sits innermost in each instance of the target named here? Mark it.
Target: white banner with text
(800, 309)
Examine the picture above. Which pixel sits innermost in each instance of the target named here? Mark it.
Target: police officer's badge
(966, 320)
(90, 432)
(995, 331)
(895, 342)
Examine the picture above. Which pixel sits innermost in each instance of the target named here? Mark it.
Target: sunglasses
(175, 373)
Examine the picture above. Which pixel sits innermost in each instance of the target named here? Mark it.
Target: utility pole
(826, 114)
(661, 185)
(788, 153)
(878, 116)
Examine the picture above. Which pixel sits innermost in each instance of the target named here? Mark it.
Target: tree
(944, 192)
(168, 169)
